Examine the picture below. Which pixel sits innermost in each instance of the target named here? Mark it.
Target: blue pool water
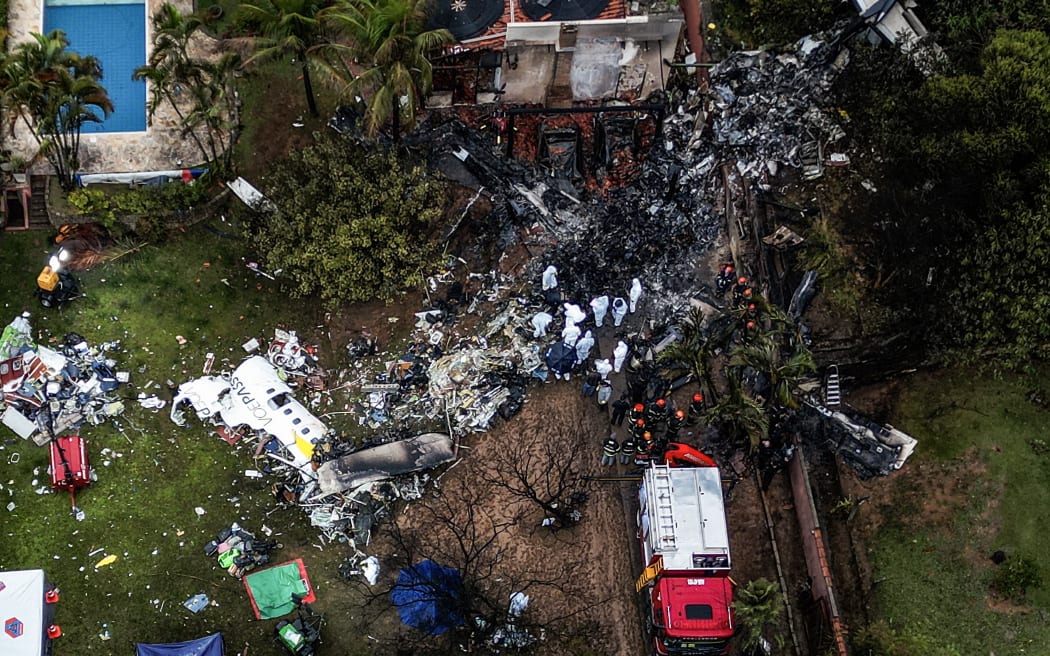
(116, 34)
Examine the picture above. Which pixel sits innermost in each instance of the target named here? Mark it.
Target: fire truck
(685, 584)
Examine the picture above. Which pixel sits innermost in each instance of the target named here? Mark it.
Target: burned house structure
(552, 53)
(542, 75)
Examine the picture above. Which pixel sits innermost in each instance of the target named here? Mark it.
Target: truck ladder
(665, 533)
(832, 389)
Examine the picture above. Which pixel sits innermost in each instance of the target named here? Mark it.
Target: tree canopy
(55, 91)
(201, 92)
(288, 29)
(351, 222)
(968, 176)
(390, 40)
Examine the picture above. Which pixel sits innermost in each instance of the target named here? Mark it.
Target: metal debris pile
(765, 112)
(47, 391)
(869, 448)
(471, 356)
(771, 108)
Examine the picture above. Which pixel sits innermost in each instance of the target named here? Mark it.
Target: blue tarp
(426, 595)
(206, 646)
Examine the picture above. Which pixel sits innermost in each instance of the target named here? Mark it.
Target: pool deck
(160, 147)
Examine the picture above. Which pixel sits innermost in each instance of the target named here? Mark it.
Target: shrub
(172, 198)
(759, 606)
(351, 222)
(1014, 577)
(95, 204)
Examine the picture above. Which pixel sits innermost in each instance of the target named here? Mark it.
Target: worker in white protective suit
(635, 294)
(603, 367)
(619, 355)
(540, 321)
(550, 277)
(584, 346)
(570, 334)
(599, 306)
(619, 310)
(573, 314)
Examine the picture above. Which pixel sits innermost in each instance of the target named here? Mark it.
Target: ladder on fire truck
(662, 522)
(664, 510)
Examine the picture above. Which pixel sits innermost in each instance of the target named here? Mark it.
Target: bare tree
(546, 472)
(453, 529)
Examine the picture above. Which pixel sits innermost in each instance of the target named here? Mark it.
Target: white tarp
(129, 178)
(24, 613)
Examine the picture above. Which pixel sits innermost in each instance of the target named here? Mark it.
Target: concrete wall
(661, 27)
(814, 548)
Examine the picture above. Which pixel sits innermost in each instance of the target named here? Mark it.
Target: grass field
(935, 571)
(142, 508)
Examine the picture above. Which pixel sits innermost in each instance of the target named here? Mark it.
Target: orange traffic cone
(54, 631)
(52, 596)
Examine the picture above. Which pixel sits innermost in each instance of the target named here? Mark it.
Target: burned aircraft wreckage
(768, 113)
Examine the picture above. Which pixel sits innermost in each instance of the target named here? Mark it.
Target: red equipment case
(69, 463)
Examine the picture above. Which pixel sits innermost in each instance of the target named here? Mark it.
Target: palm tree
(390, 40)
(213, 110)
(784, 374)
(170, 69)
(694, 353)
(738, 414)
(55, 91)
(288, 28)
(759, 605)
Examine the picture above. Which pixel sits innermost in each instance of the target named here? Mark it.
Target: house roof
(556, 11)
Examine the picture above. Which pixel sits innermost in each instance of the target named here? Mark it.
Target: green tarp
(271, 589)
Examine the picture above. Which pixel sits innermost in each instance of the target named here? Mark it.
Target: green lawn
(935, 574)
(142, 507)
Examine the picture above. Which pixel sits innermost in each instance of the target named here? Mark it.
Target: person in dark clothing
(638, 428)
(641, 448)
(619, 410)
(739, 290)
(724, 278)
(674, 424)
(635, 388)
(590, 384)
(656, 411)
(696, 409)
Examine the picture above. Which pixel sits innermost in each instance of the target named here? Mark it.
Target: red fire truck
(685, 553)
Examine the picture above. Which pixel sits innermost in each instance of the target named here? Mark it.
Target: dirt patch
(1006, 607)
(600, 546)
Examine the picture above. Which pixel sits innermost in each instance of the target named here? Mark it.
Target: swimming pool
(115, 32)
